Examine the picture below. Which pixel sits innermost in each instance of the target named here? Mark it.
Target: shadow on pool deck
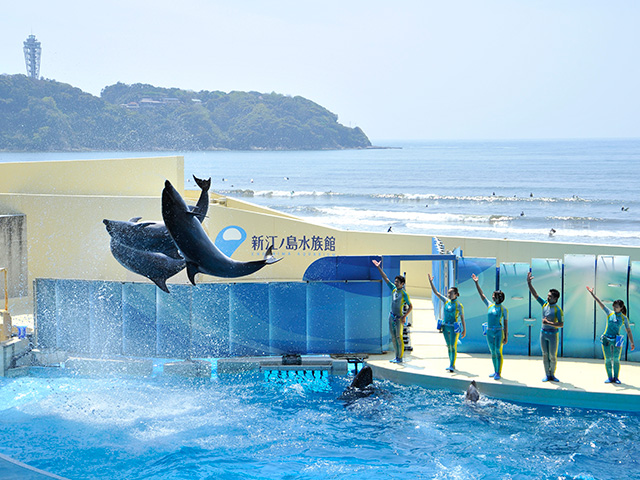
(581, 380)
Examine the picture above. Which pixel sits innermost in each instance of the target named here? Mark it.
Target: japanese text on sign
(314, 243)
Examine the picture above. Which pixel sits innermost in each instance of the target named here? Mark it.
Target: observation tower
(32, 52)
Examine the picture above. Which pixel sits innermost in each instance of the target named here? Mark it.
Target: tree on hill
(45, 115)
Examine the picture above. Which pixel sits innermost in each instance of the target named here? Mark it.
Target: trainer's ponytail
(620, 303)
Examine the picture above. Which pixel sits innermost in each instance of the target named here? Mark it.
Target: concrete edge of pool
(581, 380)
(11, 469)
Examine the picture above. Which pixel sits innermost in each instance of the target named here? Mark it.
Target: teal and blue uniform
(399, 298)
(452, 311)
(549, 336)
(615, 321)
(495, 331)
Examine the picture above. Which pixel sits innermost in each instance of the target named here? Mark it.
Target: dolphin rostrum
(146, 248)
(200, 253)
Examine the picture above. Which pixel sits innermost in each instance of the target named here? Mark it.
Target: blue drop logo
(230, 238)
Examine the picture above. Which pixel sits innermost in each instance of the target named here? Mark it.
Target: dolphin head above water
(363, 378)
(472, 393)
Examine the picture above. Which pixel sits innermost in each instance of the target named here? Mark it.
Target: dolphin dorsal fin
(161, 283)
(192, 269)
(135, 219)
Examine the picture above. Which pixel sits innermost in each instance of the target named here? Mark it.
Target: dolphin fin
(161, 283)
(192, 269)
(195, 211)
(135, 219)
(146, 224)
(269, 258)
(203, 184)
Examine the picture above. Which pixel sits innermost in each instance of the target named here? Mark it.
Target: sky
(402, 70)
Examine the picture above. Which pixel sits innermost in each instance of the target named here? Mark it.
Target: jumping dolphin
(200, 253)
(148, 236)
(146, 248)
(156, 266)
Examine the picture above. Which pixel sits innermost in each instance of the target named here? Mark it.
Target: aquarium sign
(314, 243)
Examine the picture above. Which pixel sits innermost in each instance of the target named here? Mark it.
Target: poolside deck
(581, 380)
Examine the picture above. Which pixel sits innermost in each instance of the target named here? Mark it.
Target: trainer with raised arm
(497, 326)
(552, 321)
(453, 324)
(398, 315)
(611, 340)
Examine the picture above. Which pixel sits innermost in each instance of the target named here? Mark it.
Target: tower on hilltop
(32, 56)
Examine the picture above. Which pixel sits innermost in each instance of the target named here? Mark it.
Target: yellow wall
(65, 203)
(125, 176)
(295, 261)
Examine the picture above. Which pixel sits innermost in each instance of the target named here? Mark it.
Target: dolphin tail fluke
(202, 207)
(203, 184)
(269, 258)
(161, 283)
(192, 269)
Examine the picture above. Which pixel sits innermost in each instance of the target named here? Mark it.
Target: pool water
(270, 426)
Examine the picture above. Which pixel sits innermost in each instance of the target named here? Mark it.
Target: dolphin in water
(199, 252)
(472, 394)
(146, 248)
(361, 386)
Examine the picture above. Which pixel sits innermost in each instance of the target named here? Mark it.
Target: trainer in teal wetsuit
(552, 321)
(453, 324)
(497, 327)
(616, 319)
(397, 315)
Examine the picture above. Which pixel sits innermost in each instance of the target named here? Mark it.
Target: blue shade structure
(210, 320)
(579, 327)
(46, 313)
(475, 311)
(72, 304)
(612, 277)
(513, 282)
(139, 329)
(248, 319)
(547, 273)
(105, 318)
(325, 317)
(633, 309)
(173, 316)
(288, 317)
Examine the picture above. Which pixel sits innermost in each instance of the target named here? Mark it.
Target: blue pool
(260, 426)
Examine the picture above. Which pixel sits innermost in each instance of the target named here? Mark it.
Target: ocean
(579, 191)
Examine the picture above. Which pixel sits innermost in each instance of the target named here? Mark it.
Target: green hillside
(45, 115)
